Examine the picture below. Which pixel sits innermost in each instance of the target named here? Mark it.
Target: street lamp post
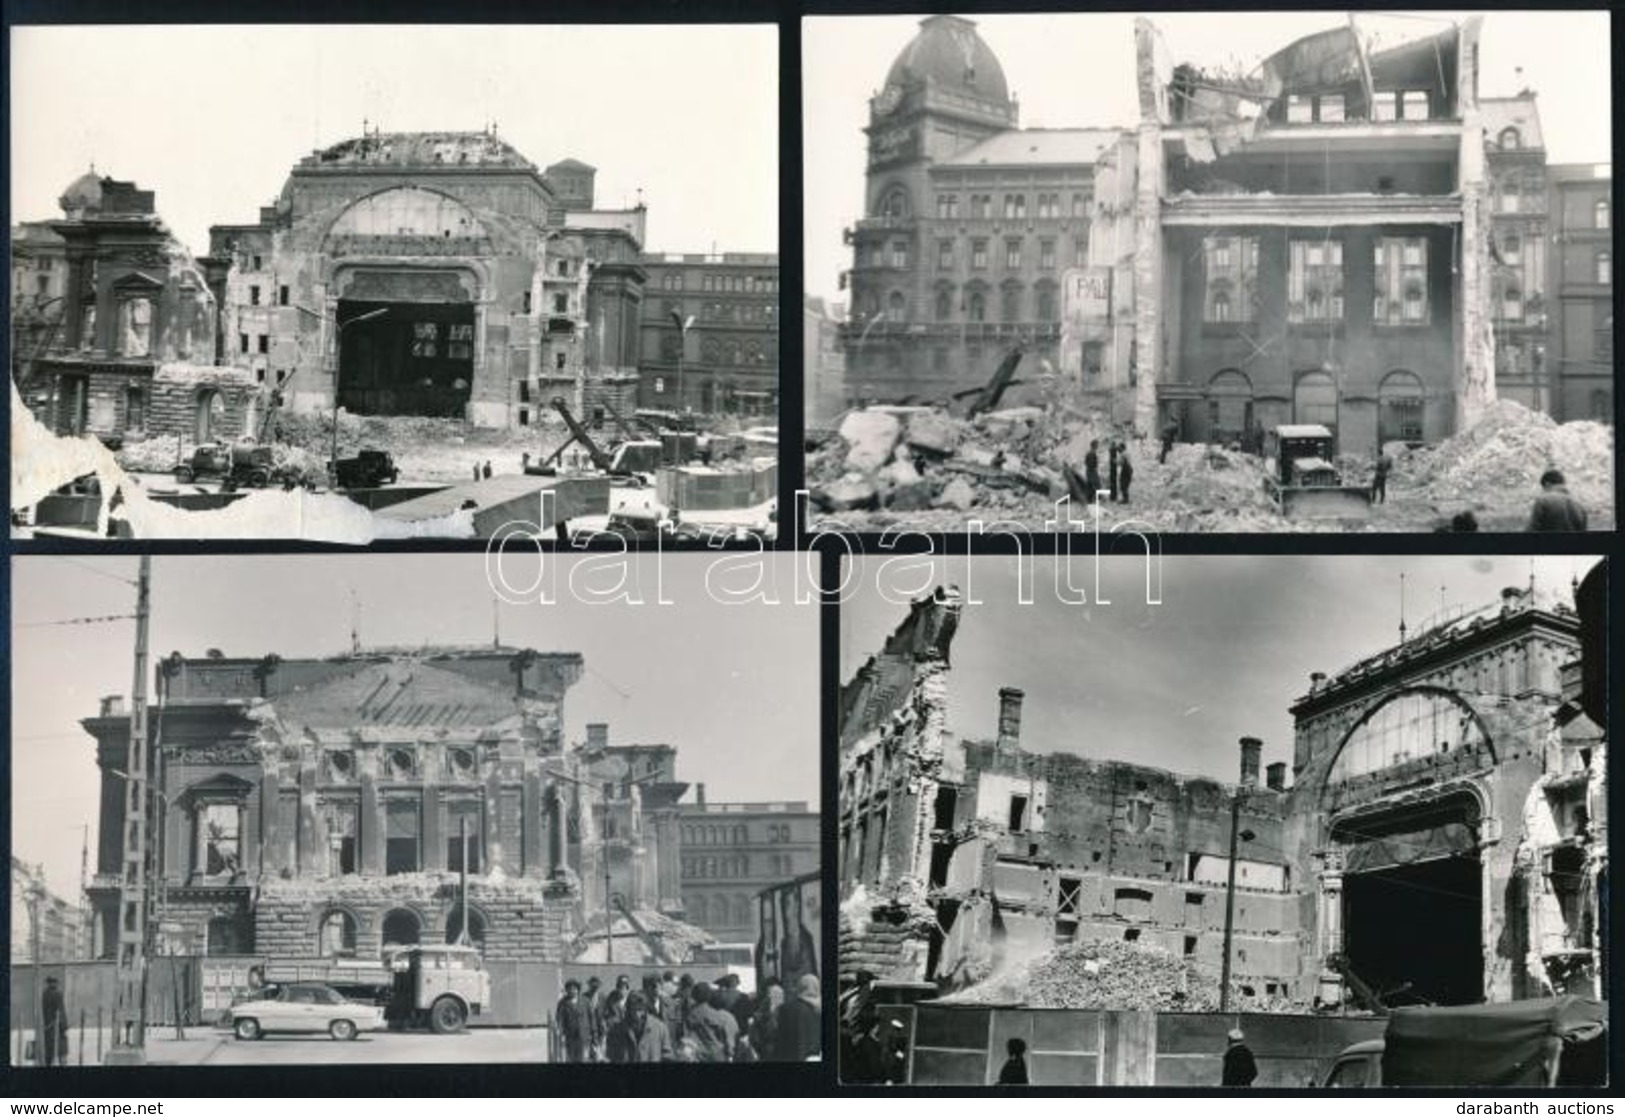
(338, 360)
(36, 900)
(683, 326)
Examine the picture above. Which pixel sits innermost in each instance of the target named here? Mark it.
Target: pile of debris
(1124, 976)
(1506, 452)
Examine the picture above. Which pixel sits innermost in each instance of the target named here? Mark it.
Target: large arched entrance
(1314, 399)
(402, 927)
(1229, 406)
(209, 416)
(1401, 408)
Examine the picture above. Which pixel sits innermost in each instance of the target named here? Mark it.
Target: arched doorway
(1314, 399)
(1401, 408)
(209, 416)
(336, 935)
(402, 927)
(1229, 406)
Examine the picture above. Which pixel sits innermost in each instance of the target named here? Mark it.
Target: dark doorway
(401, 928)
(73, 404)
(412, 359)
(1417, 927)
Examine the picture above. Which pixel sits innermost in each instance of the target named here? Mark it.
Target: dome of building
(423, 149)
(83, 193)
(950, 52)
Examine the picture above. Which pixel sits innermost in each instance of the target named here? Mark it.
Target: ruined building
(325, 808)
(436, 273)
(1307, 242)
(125, 348)
(1447, 783)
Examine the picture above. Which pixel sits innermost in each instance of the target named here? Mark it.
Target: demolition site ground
(930, 470)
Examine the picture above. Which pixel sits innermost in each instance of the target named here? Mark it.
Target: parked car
(1551, 1041)
(252, 467)
(303, 1007)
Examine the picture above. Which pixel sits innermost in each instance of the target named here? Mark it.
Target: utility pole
(1249, 776)
(130, 1010)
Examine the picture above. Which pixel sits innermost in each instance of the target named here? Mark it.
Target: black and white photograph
(1289, 821)
(1211, 272)
(405, 282)
(411, 809)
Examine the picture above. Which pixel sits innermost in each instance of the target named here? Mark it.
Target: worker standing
(1379, 480)
(1111, 469)
(1554, 508)
(1169, 432)
(1091, 469)
(1125, 471)
(54, 1022)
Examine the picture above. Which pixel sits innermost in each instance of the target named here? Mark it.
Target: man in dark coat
(1239, 1066)
(1379, 480)
(640, 1037)
(715, 1033)
(593, 999)
(1169, 432)
(1091, 469)
(54, 1020)
(1125, 472)
(801, 1023)
(1111, 468)
(1555, 509)
(575, 1028)
(1014, 1071)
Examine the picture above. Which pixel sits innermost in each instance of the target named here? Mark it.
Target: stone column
(533, 818)
(370, 816)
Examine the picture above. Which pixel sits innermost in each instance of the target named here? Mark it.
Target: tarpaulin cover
(1484, 1045)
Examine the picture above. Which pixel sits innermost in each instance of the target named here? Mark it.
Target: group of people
(1120, 471)
(672, 1019)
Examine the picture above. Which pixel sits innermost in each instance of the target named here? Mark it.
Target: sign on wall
(887, 146)
(1087, 295)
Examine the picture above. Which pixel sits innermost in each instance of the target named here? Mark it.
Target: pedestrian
(1091, 469)
(615, 1004)
(640, 1037)
(764, 1023)
(800, 1023)
(1111, 467)
(54, 1021)
(1555, 509)
(1379, 480)
(1014, 1071)
(524, 462)
(871, 1060)
(487, 471)
(1170, 431)
(715, 1033)
(575, 1033)
(1125, 472)
(593, 997)
(476, 471)
(1239, 1066)
(653, 999)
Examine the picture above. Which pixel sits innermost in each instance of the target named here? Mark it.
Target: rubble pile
(1121, 976)
(1506, 452)
(158, 454)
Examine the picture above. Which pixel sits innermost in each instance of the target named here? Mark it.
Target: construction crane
(601, 461)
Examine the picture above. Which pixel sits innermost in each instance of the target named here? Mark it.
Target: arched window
(1229, 405)
(1314, 399)
(739, 835)
(741, 910)
(1219, 309)
(1046, 304)
(945, 304)
(1600, 214)
(697, 912)
(336, 935)
(1510, 140)
(978, 307)
(1511, 248)
(402, 928)
(476, 926)
(1401, 406)
(1602, 406)
(893, 203)
(896, 307)
(1010, 304)
(1605, 268)
(1409, 726)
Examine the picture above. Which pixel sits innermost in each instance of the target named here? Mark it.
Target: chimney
(1275, 776)
(113, 706)
(597, 735)
(1251, 750)
(1010, 718)
(1317, 679)
(699, 794)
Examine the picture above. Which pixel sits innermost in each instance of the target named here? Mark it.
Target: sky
(214, 117)
(733, 687)
(1175, 685)
(1077, 71)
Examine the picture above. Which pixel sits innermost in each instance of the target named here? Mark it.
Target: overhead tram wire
(96, 570)
(75, 620)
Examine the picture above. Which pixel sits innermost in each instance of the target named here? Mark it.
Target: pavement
(216, 1047)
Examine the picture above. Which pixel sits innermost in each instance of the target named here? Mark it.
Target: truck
(425, 985)
(252, 467)
(790, 939)
(1550, 1041)
(1303, 482)
(368, 469)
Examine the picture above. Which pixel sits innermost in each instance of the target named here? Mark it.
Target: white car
(304, 1007)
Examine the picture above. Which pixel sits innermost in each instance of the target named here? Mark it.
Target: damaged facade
(126, 347)
(436, 273)
(1434, 785)
(1309, 242)
(322, 809)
